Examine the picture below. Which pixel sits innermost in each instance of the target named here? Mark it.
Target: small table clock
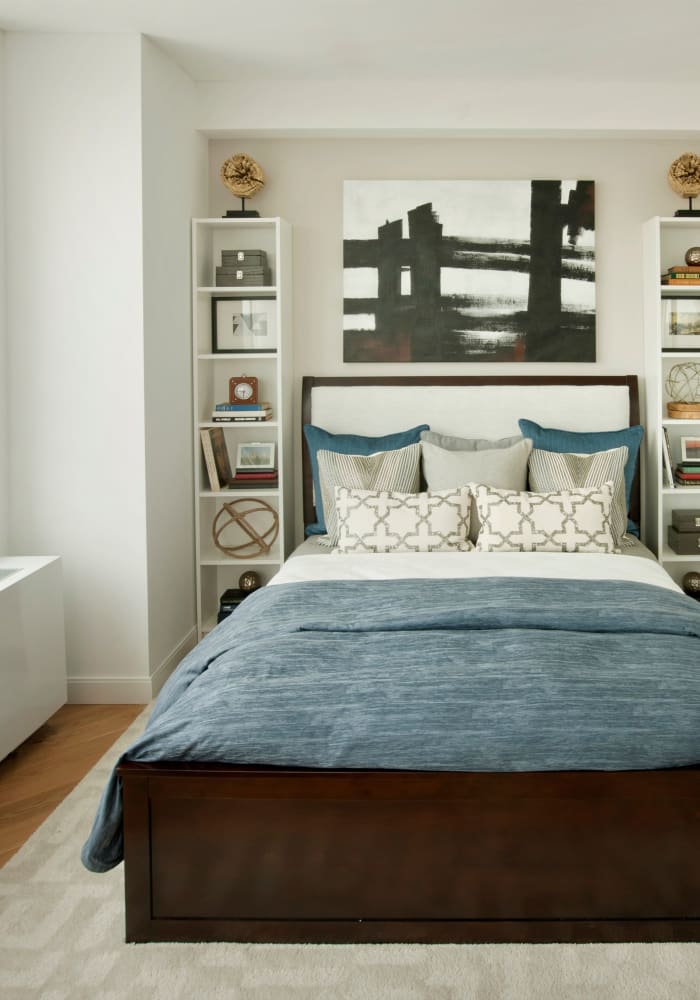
(243, 389)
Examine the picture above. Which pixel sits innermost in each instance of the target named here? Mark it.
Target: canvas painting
(464, 271)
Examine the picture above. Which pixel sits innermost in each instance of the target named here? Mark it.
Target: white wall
(4, 435)
(304, 184)
(104, 170)
(75, 325)
(174, 190)
(490, 106)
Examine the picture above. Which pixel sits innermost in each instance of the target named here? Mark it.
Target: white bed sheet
(311, 562)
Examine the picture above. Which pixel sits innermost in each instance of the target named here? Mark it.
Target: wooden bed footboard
(227, 853)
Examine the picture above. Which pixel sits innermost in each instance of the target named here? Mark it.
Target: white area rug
(62, 938)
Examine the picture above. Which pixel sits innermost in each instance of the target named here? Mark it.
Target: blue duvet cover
(468, 675)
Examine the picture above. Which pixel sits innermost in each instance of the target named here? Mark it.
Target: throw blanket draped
(462, 675)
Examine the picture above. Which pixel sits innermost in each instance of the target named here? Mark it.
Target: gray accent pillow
(505, 468)
(551, 470)
(452, 443)
(385, 521)
(397, 471)
(566, 521)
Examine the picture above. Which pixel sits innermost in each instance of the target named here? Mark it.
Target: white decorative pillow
(371, 521)
(397, 470)
(551, 470)
(504, 468)
(566, 521)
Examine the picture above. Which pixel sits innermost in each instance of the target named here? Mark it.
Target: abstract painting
(464, 271)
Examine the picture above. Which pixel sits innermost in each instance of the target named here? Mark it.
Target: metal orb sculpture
(692, 256)
(249, 581)
(237, 514)
(684, 178)
(244, 178)
(683, 382)
(691, 584)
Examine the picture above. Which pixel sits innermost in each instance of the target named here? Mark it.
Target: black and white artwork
(469, 271)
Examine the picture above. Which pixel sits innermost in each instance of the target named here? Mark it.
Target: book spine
(221, 458)
(242, 407)
(683, 269)
(668, 466)
(680, 281)
(220, 418)
(209, 462)
(680, 276)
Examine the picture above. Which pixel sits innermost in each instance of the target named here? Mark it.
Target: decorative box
(246, 276)
(685, 520)
(244, 258)
(685, 543)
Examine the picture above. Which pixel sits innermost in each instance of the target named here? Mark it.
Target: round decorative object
(238, 514)
(692, 256)
(684, 175)
(249, 580)
(691, 584)
(242, 175)
(683, 383)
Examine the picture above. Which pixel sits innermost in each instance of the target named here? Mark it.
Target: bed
(415, 818)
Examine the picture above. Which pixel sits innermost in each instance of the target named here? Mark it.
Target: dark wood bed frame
(235, 853)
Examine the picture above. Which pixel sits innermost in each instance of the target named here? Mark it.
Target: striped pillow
(397, 471)
(551, 470)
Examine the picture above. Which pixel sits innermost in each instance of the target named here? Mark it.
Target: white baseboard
(161, 673)
(128, 690)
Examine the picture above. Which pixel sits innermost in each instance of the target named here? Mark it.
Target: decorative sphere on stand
(691, 584)
(692, 256)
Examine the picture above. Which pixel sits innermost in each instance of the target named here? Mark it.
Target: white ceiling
(394, 40)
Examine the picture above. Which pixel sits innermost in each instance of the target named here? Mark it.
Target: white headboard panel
(487, 411)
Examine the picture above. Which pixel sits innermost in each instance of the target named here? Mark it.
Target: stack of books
(231, 413)
(243, 267)
(229, 601)
(681, 274)
(687, 474)
(245, 479)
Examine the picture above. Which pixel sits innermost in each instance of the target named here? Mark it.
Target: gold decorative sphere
(249, 580)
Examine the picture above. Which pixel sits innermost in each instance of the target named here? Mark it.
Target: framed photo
(690, 449)
(256, 456)
(681, 323)
(243, 325)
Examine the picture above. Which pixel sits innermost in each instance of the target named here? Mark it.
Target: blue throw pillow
(317, 439)
(586, 443)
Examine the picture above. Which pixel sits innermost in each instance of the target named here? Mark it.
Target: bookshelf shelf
(216, 571)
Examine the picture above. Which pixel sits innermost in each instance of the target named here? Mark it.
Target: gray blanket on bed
(465, 675)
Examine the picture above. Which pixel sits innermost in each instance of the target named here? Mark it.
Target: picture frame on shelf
(690, 449)
(681, 323)
(252, 456)
(241, 325)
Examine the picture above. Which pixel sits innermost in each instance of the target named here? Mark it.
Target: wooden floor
(46, 767)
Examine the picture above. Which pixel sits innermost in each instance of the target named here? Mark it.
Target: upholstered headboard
(467, 406)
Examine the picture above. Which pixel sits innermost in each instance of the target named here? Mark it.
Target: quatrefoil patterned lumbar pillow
(576, 520)
(384, 521)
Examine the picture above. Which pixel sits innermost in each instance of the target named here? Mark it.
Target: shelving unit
(217, 571)
(665, 243)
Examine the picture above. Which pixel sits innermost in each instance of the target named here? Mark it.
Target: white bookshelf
(666, 240)
(216, 571)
